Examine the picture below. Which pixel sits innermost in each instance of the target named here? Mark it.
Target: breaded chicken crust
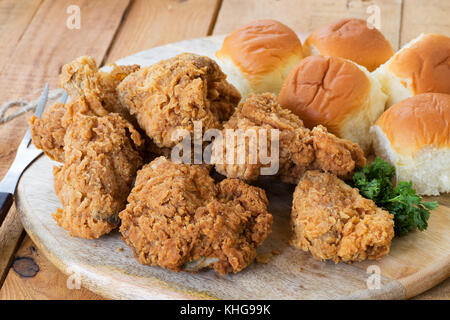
(172, 94)
(48, 131)
(333, 221)
(179, 219)
(100, 162)
(300, 149)
(92, 92)
(82, 77)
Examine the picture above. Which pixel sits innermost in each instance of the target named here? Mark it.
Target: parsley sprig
(375, 182)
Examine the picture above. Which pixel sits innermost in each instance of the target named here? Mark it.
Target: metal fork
(26, 154)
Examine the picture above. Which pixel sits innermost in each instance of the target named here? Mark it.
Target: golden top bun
(426, 62)
(324, 90)
(417, 122)
(262, 50)
(336, 93)
(351, 39)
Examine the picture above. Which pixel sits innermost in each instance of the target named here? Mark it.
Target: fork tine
(42, 101)
(63, 98)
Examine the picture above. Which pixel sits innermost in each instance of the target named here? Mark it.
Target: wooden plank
(157, 22)
(32, 276)
(424, 17)
(15, 17)
(307, 15)
(43, 48)
(42, 51)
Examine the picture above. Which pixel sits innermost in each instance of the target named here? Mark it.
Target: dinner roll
(423, 65)
(350, 39)
(336, 93)
(414, 136)
(258, 57)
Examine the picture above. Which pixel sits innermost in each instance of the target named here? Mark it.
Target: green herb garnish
(375, 182)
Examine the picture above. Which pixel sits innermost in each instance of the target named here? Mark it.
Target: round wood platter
(106, 266)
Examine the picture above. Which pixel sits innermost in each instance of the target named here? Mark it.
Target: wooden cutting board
(106, 266)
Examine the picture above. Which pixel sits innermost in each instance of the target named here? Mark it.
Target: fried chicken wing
(300, 149)
(179, 219)
(92, 92)
(48, 131)
(173, 93)
(100, 162)
(82, 77)
(333, 221)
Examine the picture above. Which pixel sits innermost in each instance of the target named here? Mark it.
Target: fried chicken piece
(81, 77)
(339, 156)
(48, 131)
(300, 149)
(173, 93)
(333, 221)
(110, 81)
(92, 93)
(179, 219)
(100, 162)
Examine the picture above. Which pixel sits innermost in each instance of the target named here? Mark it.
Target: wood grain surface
(15, 18)
(32, 277)
(151, 23)
(421, 16)
(43, 51)
(136, 30)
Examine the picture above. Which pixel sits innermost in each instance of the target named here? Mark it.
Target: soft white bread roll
(257, 57)
(336, 93)
(351, 39)
(414, 136)
(422, 65)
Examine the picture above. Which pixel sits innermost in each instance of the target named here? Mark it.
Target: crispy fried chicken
(300, 149)
(81, 77)
(179, 219)
(173, 93)
(333, 221)
(48, 131)
(92, 92)
(100, 162)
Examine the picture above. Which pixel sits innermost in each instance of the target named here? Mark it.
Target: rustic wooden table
(36, 42)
